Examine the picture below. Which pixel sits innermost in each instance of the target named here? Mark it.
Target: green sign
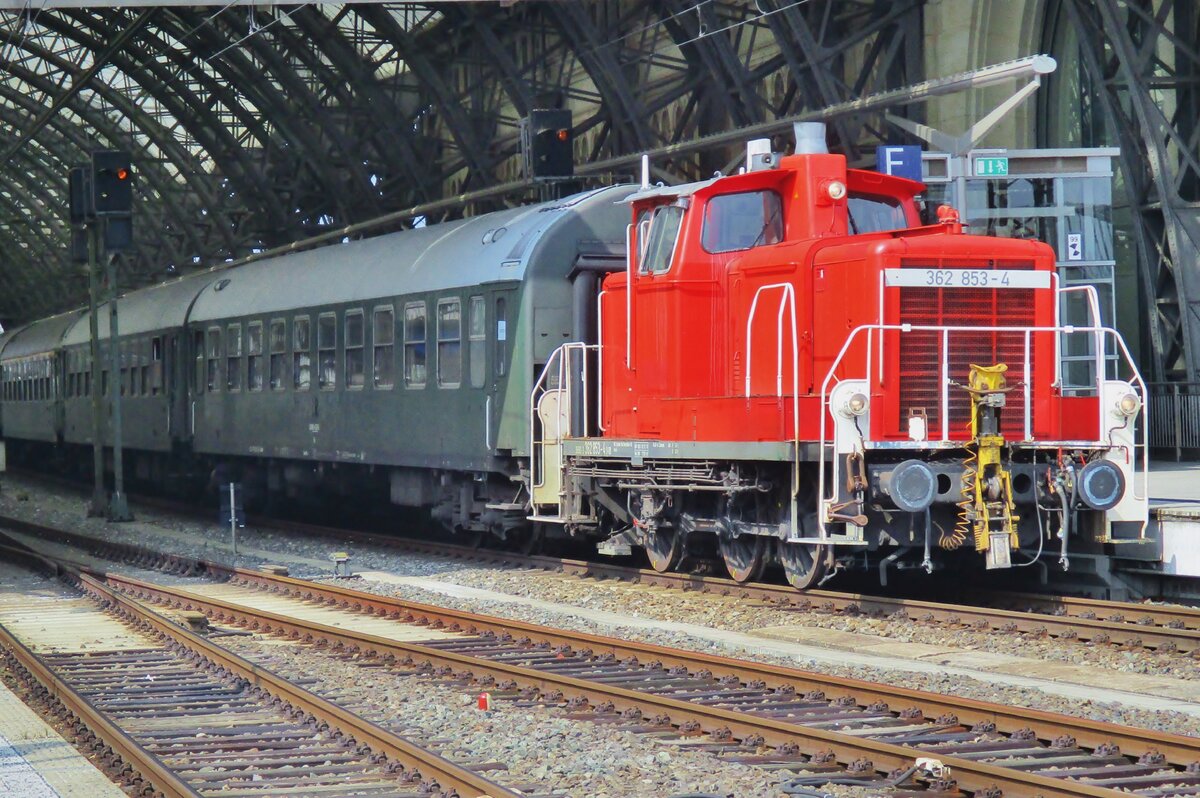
(991, 167)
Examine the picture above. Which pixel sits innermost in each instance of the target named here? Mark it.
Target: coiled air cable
(1064, 530)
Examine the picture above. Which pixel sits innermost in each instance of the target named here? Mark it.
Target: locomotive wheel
(804, 564)
(744, 556)
(664, 548)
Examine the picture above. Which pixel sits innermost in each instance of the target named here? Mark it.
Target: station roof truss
(1140, 75)
(252, 126)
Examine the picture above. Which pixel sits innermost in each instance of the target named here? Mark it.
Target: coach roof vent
(810, 138)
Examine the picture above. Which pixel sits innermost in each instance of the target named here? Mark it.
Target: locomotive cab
(793, 369)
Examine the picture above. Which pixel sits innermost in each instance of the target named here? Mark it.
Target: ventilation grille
(921, 352)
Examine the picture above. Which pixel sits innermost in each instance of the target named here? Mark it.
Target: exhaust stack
(810, 138)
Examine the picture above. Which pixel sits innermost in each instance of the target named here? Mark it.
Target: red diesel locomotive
(793, 368)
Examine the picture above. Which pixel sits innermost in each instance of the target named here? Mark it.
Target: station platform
(36, 762)
(1175, 510)
(1174, 486)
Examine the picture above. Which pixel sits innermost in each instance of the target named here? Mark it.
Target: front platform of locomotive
(948, 423)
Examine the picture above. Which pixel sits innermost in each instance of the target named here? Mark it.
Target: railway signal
(112, 182)
(546, 140)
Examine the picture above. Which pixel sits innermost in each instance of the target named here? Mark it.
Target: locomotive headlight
(836, 189)
(1129, 404)
(855, 405)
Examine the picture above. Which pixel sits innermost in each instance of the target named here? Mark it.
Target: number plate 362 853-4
(964, 278)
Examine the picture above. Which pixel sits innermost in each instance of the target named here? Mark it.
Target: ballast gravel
(549, 754)
(36, 502)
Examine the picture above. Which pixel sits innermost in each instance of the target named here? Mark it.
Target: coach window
(383, 352)
(477, 335)
(501, 336)
(135, 367)
(124, 356)
(327, 351)
(354, 349)
(660, 244)
(198, 352)
(302, 353)
(735, 222)
(449, 343)
(156, 365)
(277, 341)
(254, 351)
(214, 360)
(233, 357)
(137, 356)
(414, 345)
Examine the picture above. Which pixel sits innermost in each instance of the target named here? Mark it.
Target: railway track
(175, 714)
(1166, 628)
(833, 728)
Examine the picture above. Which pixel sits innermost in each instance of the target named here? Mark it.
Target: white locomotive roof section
(149, 310)
(681, 190)
(39, 337)
(489, 248)
(5, 337)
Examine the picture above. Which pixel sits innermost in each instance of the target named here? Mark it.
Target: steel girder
(1143, 61)
(255, 126)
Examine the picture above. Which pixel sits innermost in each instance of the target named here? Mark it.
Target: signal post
(101, 211)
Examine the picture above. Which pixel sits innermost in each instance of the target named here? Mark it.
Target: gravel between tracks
(55, 506)
(550, 751)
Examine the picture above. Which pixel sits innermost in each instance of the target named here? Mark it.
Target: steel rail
(1177, 749)
(1174, 628)
(428, 764)
(144, 763)
(432, 767)
(1182, 617)
(1153, 625)
(977, 777)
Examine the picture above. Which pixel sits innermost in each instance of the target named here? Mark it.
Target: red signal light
(122, 174)
(564, 134)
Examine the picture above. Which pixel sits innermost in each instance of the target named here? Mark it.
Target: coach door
(490, 333)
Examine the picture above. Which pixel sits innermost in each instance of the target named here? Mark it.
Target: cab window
(874, 213)
(734, 222)
(660, 243)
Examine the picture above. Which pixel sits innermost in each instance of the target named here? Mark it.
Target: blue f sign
(901, 161)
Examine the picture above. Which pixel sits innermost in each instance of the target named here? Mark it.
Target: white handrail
(831, 379)
(600, 360)
(787, 300)
(1093, 300)
(560, 358)
(628, 296)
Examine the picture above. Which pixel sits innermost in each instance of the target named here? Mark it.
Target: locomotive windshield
(742, 221)
(875, 213)
(660, 244)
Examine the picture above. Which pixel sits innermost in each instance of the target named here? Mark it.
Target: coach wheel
(803, 563)
(744, 556)
(664, 548)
